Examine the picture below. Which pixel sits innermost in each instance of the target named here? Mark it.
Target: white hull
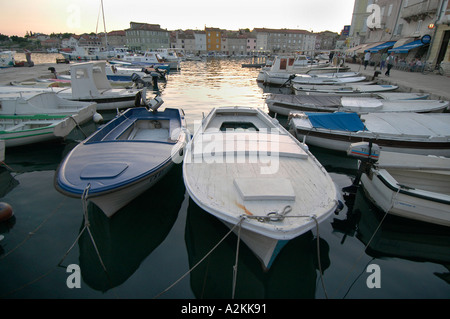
(35, 131)
(424, 134)
(342, 89)
(111, 202)
(46, 103)
(284, 104)
(89, 83)
(327, 80)
(424, 194)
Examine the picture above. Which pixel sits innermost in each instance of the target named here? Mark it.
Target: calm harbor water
(157, 238)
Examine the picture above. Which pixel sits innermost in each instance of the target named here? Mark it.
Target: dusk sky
(47, 16)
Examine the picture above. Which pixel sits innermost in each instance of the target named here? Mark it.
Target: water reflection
(393, 236)
(294, 273)
(127, 238)
(410, 254)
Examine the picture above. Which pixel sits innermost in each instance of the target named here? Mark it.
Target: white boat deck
(262, 173)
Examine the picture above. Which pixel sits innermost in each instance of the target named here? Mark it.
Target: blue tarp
(340, 121)
(381, 46)
(406, 47)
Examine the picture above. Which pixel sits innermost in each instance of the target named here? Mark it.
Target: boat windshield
(248, 126)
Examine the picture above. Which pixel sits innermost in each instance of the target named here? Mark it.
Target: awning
(403, 41)
(406, 47)
(368, 46)
(380, 47)
(356, 48)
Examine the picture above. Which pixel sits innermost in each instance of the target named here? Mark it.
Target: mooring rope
(30, 234)
(235, 267)
(78, 125)
(199, 262)
(84, 200)
(368, 243)
(270, 217)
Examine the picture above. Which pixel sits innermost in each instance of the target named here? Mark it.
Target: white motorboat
(412, 186)
(49, 103)
(283, 104)
(150, 58)
(415, 133)
(171, 57)
(285, 66)
(124, 158)
(89, 83)
(20, 130)
(352, 88)
(87, 54)
(117, 72)
(244, 168)
(326, 80)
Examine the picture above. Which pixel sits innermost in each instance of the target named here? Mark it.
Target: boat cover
(336, 121)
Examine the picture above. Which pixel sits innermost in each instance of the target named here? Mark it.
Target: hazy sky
(47, 16)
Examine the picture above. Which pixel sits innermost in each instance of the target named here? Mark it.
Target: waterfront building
(234, 43)
(200, 42)
(144, 37)
(422, 23)
(280, 41)
(213, 40)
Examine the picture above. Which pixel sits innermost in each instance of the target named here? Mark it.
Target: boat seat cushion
(261, 188)
(102, 170)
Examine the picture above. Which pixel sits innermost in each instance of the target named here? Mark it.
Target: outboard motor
(155, 103)
(368, 153)
(137, 80)
(155, 77)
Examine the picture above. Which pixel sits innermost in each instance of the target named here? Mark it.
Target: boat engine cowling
(364, 151)
(155, 103)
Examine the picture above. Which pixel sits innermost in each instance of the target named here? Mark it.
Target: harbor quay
(415, 82)
(434, 84)
(23, 74)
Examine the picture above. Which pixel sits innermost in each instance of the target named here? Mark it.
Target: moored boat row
(241, 166)
(410, 131)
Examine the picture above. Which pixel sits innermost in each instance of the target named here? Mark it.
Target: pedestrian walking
(383, 61)
(390, 64)
(366, 59)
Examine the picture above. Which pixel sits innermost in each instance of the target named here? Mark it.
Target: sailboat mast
(104, 26)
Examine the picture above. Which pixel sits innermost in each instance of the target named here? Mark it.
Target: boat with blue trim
(125, 157)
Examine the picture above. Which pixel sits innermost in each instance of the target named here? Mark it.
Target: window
(419, 25)
(399, 29)
(389, 10)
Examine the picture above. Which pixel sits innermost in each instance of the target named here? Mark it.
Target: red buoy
(6, 211)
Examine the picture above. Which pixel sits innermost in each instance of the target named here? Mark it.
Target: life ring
(6, 211)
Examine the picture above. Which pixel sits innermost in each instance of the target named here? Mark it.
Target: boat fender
(6, 211)
(97, 117)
